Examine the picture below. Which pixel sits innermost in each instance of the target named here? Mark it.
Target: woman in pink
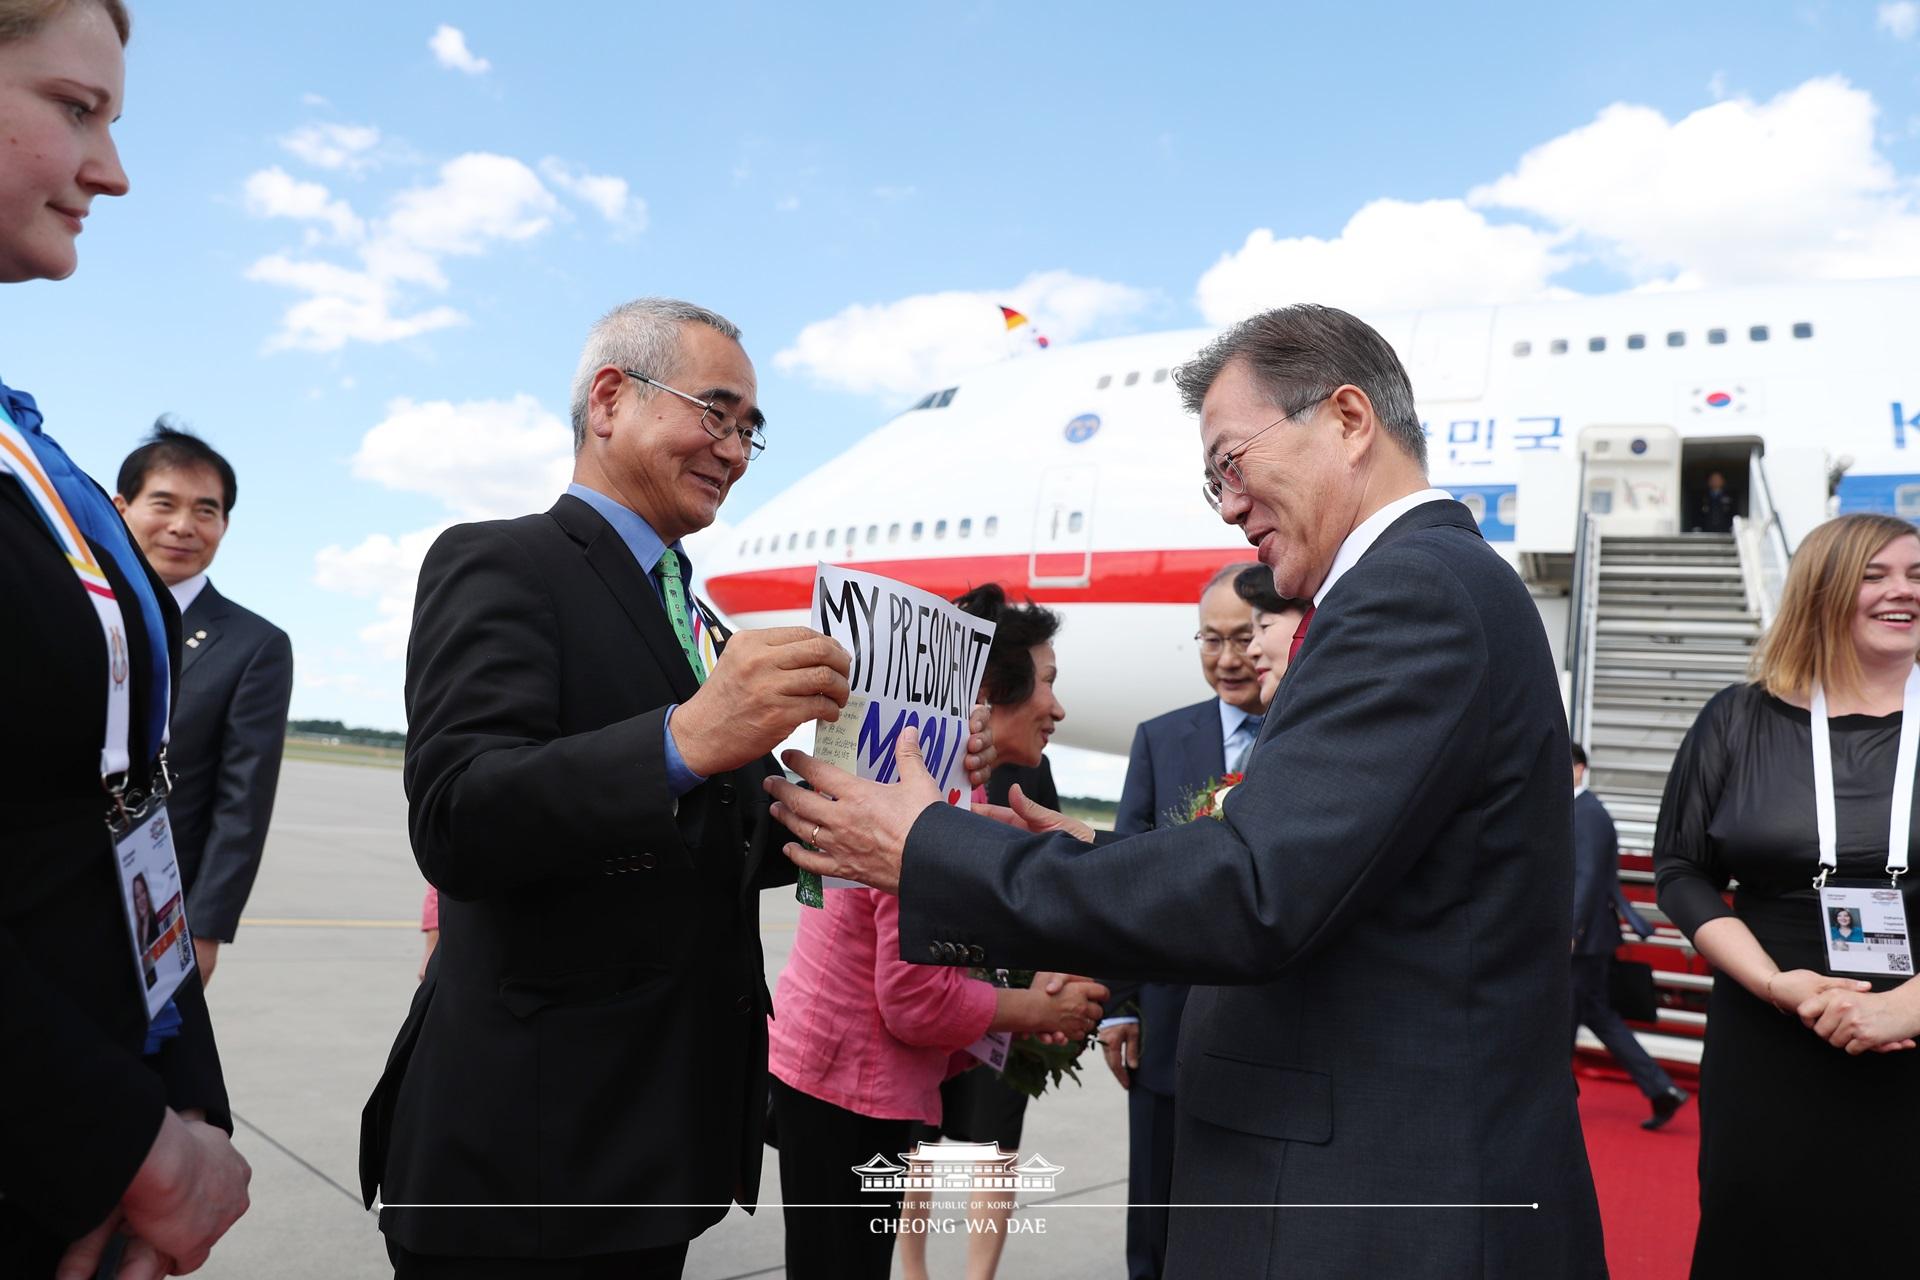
(858, 1045)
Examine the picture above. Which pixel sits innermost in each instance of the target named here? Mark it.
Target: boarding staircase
(1662, 623)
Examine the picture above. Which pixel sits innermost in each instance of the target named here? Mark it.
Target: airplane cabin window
(966, 527)
(757, 544)
(1106, 380)
(1558, 346)
(1476, 505)
(1676, 339)
(830, 536)
(1159, 375)
(1716, 337)
(1133, 377)
(939, 528)
(918, 527)
(1508, 507)
(1803, 330)
(1635, 341)
(893, 532)
(853, 534)
(992, 526)
(793, 540)
(1523, 348)
(1758, 333)
(811, 534)
(1596, 344)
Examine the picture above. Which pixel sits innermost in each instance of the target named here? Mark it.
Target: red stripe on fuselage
(1116, 577)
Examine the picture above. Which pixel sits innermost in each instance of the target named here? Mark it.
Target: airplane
(1072, 476)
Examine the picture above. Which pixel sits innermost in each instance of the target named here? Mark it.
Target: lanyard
(17, 459)
(1900, 824)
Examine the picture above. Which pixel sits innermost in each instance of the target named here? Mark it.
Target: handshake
(188, 1191)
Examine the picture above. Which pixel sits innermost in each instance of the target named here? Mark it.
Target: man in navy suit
(1174, 756)
(1596, 932)
(236, 679)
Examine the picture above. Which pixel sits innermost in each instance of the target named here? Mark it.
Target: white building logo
(958, 1166)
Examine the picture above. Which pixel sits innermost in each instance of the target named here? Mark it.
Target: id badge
(155, 901)
(1864, 926)
(992, 1049)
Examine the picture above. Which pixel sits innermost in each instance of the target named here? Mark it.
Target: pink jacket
(856, 1026)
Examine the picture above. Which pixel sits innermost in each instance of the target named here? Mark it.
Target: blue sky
(360, 257)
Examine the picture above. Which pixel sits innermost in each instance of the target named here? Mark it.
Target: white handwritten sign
(916, 662)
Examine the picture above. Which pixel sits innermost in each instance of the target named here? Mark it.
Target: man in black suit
(1173, 757)
(1598, 908)
(583, 775)
(236, 678)
(1383, 900)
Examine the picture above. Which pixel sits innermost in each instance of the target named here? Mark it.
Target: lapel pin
(193, 642)
(200, 635)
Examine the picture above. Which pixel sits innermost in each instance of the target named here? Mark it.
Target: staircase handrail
(1586, 605)
(1762, 541)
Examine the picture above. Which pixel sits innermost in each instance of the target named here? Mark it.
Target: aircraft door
(1062, 553)
(1632, 479)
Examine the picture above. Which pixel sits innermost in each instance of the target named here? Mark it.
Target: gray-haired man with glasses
(584, 765)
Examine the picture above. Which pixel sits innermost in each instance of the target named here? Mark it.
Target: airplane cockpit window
(1596, 344)
(946, 398)
(1716, 337)
(939, 528)
(1133, 377)
(924, 402)
(1758, 333)
(1523, 348)
(1106, 380)
(966, 527)
(1676, 339)
(1635, 341)
(1558, 346)
(992, 526)
(1159, 375)
(1803, 330)
(893, 532)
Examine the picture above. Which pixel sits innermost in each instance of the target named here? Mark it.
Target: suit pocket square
(1263, 1099)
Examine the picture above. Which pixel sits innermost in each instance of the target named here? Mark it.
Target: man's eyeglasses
(714, 418)
(1213, 644)
(1223, 469)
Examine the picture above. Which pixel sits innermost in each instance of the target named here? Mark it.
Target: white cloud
(916, 343)
(1391, 255)
(1898, 20)
(334, 146)
(382, 569)
(1737, 192)
(611, 197)
(481, 458)
(478, 200)
(449, 45)
(274, 193)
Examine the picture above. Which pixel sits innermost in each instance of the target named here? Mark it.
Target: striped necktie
(673, 595)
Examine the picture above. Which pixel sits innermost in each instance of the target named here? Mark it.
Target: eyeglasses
(1223, 470)
(1212, 643)
(714, 419)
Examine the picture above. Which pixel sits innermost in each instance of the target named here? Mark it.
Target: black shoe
(1664, 1106)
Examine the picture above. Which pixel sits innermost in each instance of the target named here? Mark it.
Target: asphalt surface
(307, 1000)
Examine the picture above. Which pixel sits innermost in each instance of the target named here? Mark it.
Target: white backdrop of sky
(365, 240)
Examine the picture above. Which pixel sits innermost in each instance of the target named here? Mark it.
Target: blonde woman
(1802, 1040)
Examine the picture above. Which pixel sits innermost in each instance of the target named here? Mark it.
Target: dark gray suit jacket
(229, 728)
(1173, 756)
(1388, 896)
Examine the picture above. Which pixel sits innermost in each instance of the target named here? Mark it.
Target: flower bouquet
(1206, 802)
(1033, 1064)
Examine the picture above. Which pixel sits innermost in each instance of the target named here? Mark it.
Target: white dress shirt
(185, 593)
(1369, 530)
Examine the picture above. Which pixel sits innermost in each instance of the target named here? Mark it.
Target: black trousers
(1590, 1007)
(664, 1263)
(819, 1146)
(1149, 1180)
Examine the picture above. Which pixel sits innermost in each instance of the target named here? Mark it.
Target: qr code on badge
(1900, 962)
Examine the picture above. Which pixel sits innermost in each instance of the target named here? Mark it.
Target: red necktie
(1300, 635)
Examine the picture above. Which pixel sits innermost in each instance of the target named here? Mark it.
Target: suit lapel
(201, 626)
(616, 567)
(1206, 751)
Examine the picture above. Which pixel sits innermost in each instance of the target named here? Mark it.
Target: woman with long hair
(1791, 786)
(102, 1136)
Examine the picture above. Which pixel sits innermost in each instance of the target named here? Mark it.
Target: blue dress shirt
(647, 548)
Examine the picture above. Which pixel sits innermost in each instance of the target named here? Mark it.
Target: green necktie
(674, 596)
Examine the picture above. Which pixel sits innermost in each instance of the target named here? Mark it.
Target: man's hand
(206, 954)
(1023, 814)
(1065, 1007)
(1121, 1043)
(980, 751)
(766, 685)
(1860, 1021)
(858, 828)
(139, 1261)
(190, 1189)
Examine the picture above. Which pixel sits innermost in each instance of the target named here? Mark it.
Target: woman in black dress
(1796, 1051)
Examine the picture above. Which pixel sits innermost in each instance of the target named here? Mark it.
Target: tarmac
(306, 1002)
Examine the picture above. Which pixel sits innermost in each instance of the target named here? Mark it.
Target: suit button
(726, 793)
(743, 1005)
(933, 949)
(646, 861)
(977, 954)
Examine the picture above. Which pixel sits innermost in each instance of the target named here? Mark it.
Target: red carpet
(1649, 1196)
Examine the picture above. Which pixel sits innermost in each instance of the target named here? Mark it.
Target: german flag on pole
(1015, 319)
